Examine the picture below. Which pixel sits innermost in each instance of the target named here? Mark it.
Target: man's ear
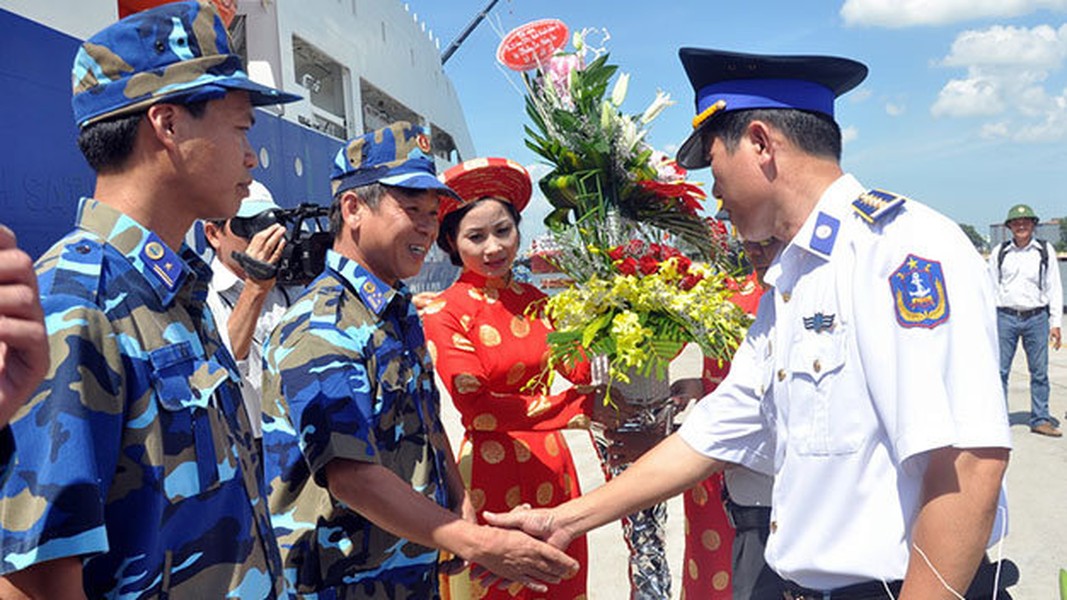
(163, 119)
(760, 138)
(212, 233)
(352, 209)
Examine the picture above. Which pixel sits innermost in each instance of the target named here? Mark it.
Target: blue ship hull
(42, 172)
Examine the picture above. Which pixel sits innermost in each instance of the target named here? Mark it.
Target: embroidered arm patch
(919, 295)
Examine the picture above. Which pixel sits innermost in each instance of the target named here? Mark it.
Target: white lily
(618, 93)
(662, 101)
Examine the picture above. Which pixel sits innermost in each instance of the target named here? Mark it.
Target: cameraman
(247, 305)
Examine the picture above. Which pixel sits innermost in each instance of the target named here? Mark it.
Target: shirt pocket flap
(817, 355)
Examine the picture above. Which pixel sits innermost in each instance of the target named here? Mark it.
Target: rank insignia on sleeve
(919, 296)
(875, 205)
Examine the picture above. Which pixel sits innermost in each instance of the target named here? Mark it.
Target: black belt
(1023, 314)
(868, 590)
(743, 518)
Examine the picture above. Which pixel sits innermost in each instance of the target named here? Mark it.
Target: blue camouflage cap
(731, 81)
(177, 52)
(397, 155)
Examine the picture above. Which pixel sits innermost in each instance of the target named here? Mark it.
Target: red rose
(683, 264)
(616, 253)
(628, 266)
(649, 265)
(690, 281)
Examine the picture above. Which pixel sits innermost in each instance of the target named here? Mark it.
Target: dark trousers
(753, 579)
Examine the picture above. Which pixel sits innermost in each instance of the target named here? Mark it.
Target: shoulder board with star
(877, 205)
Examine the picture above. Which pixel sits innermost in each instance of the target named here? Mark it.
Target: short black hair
(107, 144)
(371, 194)
(814, 133)
(446, 235)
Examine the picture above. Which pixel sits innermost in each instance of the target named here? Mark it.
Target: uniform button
(781, 374)
(774, 526)
(81, 249)
(786, 296)
(817, 365)
(762, 390)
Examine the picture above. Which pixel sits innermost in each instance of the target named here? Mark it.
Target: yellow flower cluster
(639, 321)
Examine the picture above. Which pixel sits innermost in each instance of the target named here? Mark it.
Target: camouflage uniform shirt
(135, 453)
(347, 376)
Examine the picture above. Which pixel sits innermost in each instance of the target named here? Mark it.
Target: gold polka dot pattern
(720, 580)
(516, 373)
(484, 422)
(513, 497)
(519, 326)
(432, 349)
(700, 495)
(466, 383)
(478, 498)
(692, 570)
(544, 493)
(435, 306)
(522, 451)
(493, 452)
(489, 335)
(552, 444)
(711, 539)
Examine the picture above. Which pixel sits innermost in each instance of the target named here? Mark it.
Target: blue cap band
(741, 94)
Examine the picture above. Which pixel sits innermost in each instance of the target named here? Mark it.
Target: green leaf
(593, 328)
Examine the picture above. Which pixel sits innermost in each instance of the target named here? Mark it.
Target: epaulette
(72, 266)
(875, 205)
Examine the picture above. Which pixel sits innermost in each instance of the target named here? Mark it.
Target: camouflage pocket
(190, 459)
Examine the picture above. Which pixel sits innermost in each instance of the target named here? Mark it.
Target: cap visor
(691, 155)
(259, 94)
(418, 181)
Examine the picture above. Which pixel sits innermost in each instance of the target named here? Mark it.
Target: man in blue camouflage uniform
(364, 490)
(135, 473)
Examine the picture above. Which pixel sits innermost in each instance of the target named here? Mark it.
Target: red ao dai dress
(486, 348)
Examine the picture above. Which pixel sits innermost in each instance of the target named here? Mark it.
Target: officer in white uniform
(885, 426)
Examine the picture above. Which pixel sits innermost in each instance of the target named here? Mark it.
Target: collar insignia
(825, 234)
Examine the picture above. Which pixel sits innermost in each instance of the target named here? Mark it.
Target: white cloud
(910, 13)
(973, 97)
(1011, 47)
(893, 109)
(849, 134)
(859, 95)
(1007, 76)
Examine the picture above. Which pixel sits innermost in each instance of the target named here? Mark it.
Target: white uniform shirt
(862, 384)
(1018, 280)
(223, 291)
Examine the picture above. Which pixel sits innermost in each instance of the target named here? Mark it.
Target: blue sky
(965, 107)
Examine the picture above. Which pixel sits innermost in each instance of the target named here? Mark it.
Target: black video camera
(307, 238)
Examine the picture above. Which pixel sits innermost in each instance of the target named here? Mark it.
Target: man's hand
(23, 339)
(540, 523)
(266, 246)
(514, 556)
(1054, 337)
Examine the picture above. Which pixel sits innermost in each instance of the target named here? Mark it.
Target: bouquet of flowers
(626, 222)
